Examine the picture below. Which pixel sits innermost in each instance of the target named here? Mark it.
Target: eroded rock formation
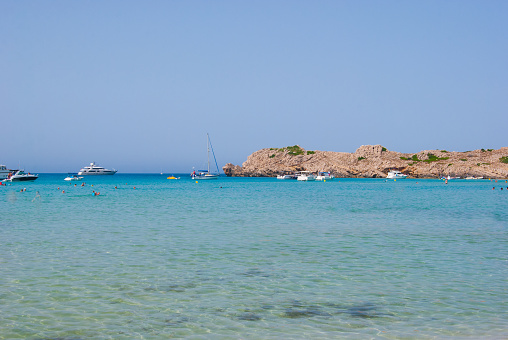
(373, 161)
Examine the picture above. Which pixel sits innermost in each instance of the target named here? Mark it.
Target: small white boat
(449, 177)
(20, 176)
(473, 177)
(286, 175)
(324, 176)
(93, 169)
(306, 176)
(73, 178)
(394, 174)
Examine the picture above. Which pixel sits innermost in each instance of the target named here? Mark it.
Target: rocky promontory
(374, 161)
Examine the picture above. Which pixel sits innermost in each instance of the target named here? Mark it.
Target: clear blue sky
(136, 85)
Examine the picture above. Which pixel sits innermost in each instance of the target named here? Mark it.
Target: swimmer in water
(37, 196)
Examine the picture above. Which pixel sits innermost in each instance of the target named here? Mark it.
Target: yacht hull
(96, 173)
(205, 177)
(23, 179)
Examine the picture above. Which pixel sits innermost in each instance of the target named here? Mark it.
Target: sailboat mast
(208, 150)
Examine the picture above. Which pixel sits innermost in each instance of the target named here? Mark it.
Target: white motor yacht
(324, 176)
(394, 174)
(306, 176)
(93, 169)
(21, 176)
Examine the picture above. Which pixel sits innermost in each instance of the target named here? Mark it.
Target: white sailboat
(206, 174)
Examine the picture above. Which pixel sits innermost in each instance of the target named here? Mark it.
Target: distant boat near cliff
(306, 176)
(207, 174)
(287, 175)
(449, 177)
(324, 176)
(394, 174)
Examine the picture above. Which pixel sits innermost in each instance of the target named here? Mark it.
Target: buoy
(196, 181)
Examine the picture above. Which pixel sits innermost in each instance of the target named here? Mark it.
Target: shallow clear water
(253, 258)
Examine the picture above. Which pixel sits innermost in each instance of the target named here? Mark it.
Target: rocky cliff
(374, 161)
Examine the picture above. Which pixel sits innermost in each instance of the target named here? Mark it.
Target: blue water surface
(253, 258)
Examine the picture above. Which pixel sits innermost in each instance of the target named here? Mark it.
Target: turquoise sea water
(253, 258)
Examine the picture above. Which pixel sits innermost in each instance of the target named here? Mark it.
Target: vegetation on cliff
(430, 158)
(294, 150)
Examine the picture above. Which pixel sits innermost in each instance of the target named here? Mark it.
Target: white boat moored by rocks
(395, 174)
(324, 176)
(287, 175)
(306, 176)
